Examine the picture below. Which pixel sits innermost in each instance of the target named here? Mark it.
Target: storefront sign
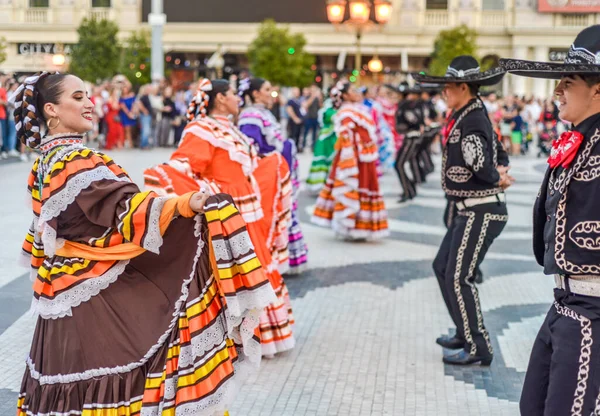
(38, 48)
(557, 55)
(569, 6)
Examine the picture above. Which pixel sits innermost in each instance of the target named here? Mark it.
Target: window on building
(437, 4)
(492, 4)
(39, 3)
(101, 3)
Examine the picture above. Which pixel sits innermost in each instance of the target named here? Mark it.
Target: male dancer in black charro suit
(473, 181)
(410, 122)
(563, 377)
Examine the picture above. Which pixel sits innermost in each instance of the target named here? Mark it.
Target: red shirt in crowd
(3, 106)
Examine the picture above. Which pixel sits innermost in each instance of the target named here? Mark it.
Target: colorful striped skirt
(175, 333)
(350, 202)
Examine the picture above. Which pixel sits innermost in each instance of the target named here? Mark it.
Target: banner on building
(569, 6)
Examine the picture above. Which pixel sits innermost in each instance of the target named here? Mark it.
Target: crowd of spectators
(154, 115)
(522, 122)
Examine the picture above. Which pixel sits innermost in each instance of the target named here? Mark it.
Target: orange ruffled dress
(215, 154)
(350, 202)
(144, 306)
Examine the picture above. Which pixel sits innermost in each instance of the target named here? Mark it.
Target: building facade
(36, 31)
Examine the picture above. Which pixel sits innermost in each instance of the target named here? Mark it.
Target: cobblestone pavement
(367, 313)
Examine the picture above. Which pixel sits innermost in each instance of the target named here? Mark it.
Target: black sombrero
(430, 88)
(391, 88)
(463, 69)
(583, 58)
(405, 88)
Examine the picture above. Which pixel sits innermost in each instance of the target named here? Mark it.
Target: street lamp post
(157, 20)
(359, 18)
(59, 57)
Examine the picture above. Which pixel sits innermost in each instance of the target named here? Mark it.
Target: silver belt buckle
(587, 285)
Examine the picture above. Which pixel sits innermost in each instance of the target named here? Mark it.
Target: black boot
(464, 358)
(478, 276)
(452, 343)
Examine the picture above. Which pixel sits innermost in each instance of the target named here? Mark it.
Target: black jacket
(566, 218)
(471, 154)
(429, 110)
(409, 117)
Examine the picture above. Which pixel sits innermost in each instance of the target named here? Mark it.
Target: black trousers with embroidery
(563, 376)
(449, 213)
(425, 162)
(470, 235)
(404, 154)
(414, 159)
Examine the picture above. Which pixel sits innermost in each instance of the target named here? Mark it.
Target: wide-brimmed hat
(463, 69)
(405, 88)
(430, 88)
(583, 58)
(391, 87)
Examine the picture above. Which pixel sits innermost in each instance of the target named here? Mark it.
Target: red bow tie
(564, 149)
(447, 128)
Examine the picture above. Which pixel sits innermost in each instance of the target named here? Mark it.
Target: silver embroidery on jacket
(459, 174)
(586, 234)
(561, 215)
(472, 150)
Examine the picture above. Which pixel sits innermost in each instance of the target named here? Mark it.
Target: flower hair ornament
(199, 103)
(336, 93)
(28, 117)
(243, 88)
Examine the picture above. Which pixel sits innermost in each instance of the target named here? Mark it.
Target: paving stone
(367, 313)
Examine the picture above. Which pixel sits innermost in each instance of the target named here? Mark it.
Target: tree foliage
(449, 44)
(279, 56)
(96, 55)
(136, 58)
(2, 49)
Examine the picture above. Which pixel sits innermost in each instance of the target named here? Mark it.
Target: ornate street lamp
(359, 18)
(375, 65)
(336, 9)
(360, 11)
(58, 59)
(383, 11)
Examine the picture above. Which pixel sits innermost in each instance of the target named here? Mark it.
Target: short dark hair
(591, 80)
(473, 89)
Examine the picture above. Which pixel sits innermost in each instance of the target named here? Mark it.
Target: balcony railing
(36, 15)
(574, 20)
(496, 18)
(99, 13)
(436, 18)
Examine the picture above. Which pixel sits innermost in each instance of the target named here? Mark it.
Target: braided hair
(29, 101)
(337, 93)
(203, 102)
(243, 88)
(248, 86)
